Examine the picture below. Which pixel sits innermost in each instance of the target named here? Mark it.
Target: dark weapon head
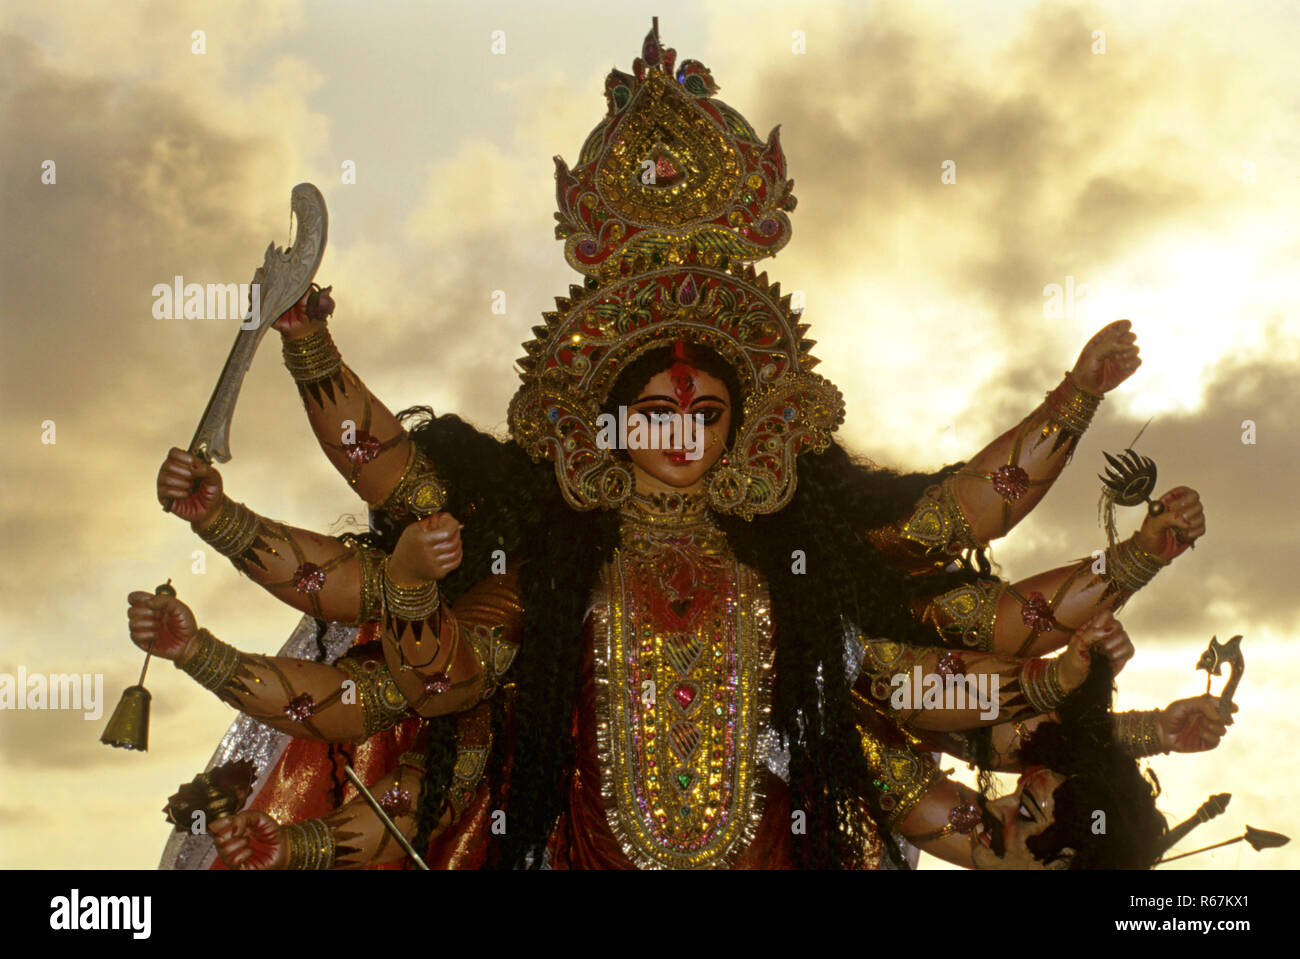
(1217, 653)
(1130, 478)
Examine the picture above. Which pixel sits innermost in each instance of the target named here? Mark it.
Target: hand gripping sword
(281, 281)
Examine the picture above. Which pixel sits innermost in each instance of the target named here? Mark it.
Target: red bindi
(683, 375)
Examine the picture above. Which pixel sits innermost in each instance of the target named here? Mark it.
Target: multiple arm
(998, 487)
(930, 688)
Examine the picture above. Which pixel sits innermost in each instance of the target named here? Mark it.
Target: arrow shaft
(1184, 855)
(383, 817)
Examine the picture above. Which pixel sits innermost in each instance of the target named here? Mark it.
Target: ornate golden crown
(674, 195)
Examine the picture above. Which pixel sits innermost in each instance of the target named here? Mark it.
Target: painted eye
(1025, 814)
(711, 416)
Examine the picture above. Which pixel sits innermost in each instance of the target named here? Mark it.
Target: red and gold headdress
(673, 197)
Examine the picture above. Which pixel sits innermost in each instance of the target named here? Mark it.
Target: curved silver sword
(281, 281)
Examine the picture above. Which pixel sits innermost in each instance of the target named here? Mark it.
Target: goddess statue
(580, 648)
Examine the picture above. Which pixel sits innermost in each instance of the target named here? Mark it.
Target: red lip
(677, 458)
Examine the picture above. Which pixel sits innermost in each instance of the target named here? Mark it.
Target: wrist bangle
(1070, 410)
(1129, 567)
(1138, 733)
(1041, 682)
(234, 529)
(312, 357)
(310, 844)
(213, 664)
(411, 603)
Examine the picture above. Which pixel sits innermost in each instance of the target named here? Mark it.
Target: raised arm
(347, 702)
(1005, 480)
(358, 433)
(1000, 485)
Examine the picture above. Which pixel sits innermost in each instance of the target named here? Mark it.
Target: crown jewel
(670, 169)
(673, 198)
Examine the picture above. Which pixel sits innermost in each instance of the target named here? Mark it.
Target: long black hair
(1099, 778)
(508, 502)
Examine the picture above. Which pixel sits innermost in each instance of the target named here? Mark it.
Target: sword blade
(283, 279)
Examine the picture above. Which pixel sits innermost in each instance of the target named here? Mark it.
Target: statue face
(687, 415)
(1018, 816)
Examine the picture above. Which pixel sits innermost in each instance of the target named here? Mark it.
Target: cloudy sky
(1149, 158)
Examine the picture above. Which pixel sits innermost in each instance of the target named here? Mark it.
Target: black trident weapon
(1130, 479)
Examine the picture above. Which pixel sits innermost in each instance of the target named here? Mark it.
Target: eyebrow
(1026, 794)
(668, 399)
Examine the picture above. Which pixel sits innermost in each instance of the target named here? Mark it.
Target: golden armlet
(418, 492)
(310, 844)
(213, 663)
(312, 357)
(371, 575)
(1138, 734)
(414, 761)
(382, 705)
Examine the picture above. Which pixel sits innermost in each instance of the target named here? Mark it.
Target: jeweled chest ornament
(682, 658)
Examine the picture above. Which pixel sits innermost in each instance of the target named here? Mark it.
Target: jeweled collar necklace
(669, 510)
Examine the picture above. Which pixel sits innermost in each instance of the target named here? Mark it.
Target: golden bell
(128, 728)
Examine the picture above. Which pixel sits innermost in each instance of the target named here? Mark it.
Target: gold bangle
(411, 603)
(1138, 733)
(213, 663)
(311, 844)
(312, 357)
(1041, 684)
(1073, 413)
(1129, 566)
(233, 531)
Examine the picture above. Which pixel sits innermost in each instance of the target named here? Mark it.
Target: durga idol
(572, 653)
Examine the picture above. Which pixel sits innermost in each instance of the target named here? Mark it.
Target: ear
(1063, 859)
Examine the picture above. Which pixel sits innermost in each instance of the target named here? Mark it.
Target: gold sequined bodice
(683, 640)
